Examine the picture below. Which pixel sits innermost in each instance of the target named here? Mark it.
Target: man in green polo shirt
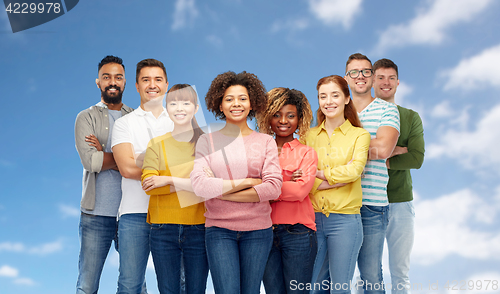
(408, 154)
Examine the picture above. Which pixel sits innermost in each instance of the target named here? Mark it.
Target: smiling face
(332, 100)
(285, 121)
(236, 104)
(181, 112)
(359, 85)
(386, 83)
(111, 82)
(151, 83)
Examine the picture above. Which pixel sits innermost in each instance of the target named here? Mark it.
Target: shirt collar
(102, 105)
(344, 128)
(292, 144)
(142, 112)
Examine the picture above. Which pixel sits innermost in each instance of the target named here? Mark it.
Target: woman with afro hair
(294, 228)
(237, 171)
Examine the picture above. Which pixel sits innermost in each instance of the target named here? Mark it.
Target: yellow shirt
(166, 156)
(342, 156)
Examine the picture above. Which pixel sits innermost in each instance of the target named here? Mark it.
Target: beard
(114, 98)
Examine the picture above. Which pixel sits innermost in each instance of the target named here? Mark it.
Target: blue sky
(448, 53)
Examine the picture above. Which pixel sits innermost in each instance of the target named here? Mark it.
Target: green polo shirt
(411, 135)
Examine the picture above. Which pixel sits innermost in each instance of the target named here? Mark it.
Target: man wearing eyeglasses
(408, 154)
(381, 119)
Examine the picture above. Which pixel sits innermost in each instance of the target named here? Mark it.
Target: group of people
(288, 205)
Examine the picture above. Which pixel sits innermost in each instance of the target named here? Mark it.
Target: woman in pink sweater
(237, 170)
(294, 248)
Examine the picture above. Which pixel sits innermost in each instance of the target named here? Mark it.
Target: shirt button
(102, 145)
(327, 154)
(106, 115)
(327, 166)
(106, 128)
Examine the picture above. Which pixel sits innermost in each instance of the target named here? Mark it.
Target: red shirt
(295, 206)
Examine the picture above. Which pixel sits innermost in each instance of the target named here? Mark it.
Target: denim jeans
(400, 235)
(237, 259)
(96, 235)
(170, 243)
(375, 220)
(134, 248)
(291, 259)
(339, 240)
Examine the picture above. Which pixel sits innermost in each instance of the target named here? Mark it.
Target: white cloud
(68, 211)
(474, 72)
(442, 110)
(290, 24)
(403, 91)
(215, 41)
(47, 248)
(185, 13)
(444, 226)
(477, 283)
(474, 149)
(43, 249)
(332, 12)
(24, 281)
(7, 271)
(10, 272)
(431, 23)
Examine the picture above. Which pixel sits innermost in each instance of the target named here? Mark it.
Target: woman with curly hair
(294, 228)
(342, 147)
(175, 213)
(237, 170)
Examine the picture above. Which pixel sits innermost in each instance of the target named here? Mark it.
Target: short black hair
(110, 59)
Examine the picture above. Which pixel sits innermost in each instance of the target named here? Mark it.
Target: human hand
(296, 175)
(93, 142)
(208, 172)
(154, 182)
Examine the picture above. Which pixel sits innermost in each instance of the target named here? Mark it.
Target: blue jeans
(134, 248)
(291, 259)
(169, 244)
(339, 240)
(237, 259)
(96, 235)
(400, 235)
(375, 220)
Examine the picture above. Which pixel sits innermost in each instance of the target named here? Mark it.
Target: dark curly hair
(256, 92)
(279, 97)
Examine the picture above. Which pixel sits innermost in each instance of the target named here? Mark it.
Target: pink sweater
(253, 156)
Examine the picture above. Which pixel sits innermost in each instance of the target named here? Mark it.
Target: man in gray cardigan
(101, 194)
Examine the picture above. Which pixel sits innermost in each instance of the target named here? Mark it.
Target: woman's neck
(183, 133)
(280, 141)
(332, 123)
(234, 130)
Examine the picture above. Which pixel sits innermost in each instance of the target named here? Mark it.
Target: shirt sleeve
(350, 172)
(299, 190)
(272, 180)
(89, 156)
(203, 186)
(414, 158)
(151, 167)
(121, 132)
(390, 117)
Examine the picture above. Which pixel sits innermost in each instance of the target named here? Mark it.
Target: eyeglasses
(355, 73)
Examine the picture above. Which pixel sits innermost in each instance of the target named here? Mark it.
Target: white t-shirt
(138, 128)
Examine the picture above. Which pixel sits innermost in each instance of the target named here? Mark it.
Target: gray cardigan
(93, 120)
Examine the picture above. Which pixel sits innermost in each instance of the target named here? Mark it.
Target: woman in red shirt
(291, 260)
